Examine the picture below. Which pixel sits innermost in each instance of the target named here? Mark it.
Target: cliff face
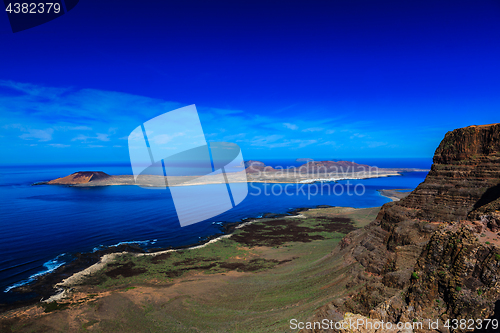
(456, 276)
(436, 253)
(465, 176)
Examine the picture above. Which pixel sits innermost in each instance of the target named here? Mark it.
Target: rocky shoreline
(48, 286)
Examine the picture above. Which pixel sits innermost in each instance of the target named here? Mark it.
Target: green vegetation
(88, 324)
(414, 276)
(497, 256)
(457, 288)
(53, 306)
(237, 253)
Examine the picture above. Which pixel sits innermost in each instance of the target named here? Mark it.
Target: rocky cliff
(465, 176)
(434, 255)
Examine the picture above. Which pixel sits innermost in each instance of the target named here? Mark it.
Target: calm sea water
(42, 226)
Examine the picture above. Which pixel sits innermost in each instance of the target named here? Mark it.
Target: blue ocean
(43, 226)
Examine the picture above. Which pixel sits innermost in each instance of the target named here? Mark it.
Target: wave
(64, 258)
(50, 266)
(143, 243)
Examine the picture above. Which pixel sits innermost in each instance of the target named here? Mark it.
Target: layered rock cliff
(434, 255)
(465, 176)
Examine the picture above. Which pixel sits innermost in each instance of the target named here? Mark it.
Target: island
(255, 171)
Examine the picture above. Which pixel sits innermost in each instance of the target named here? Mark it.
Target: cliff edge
(465, 175)
(434, 255)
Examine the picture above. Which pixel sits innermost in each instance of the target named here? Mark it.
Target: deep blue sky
(321, 79)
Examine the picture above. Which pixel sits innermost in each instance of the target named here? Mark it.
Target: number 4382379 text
(34, 8)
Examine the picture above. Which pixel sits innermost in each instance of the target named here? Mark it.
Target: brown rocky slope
(434, 255)
(80, 177)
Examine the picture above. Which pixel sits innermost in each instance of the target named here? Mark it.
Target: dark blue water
(42, 226)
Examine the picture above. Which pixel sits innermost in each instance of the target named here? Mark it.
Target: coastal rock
(80, 177)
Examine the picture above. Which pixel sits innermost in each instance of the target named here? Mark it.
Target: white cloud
(224, 112)
(303, 143)
(357, 135)
(102, 137)
(136, 136)
(34, 90)
(291, 126)
(330, 131)
(85, 138)
(265, 140)
(375, 144)
(58, 145)
(272, 141)
(37, 134)
(234, 137)
(72, 128)
(80, 137)
(81, 128)
(162, 139)
(312, 129)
